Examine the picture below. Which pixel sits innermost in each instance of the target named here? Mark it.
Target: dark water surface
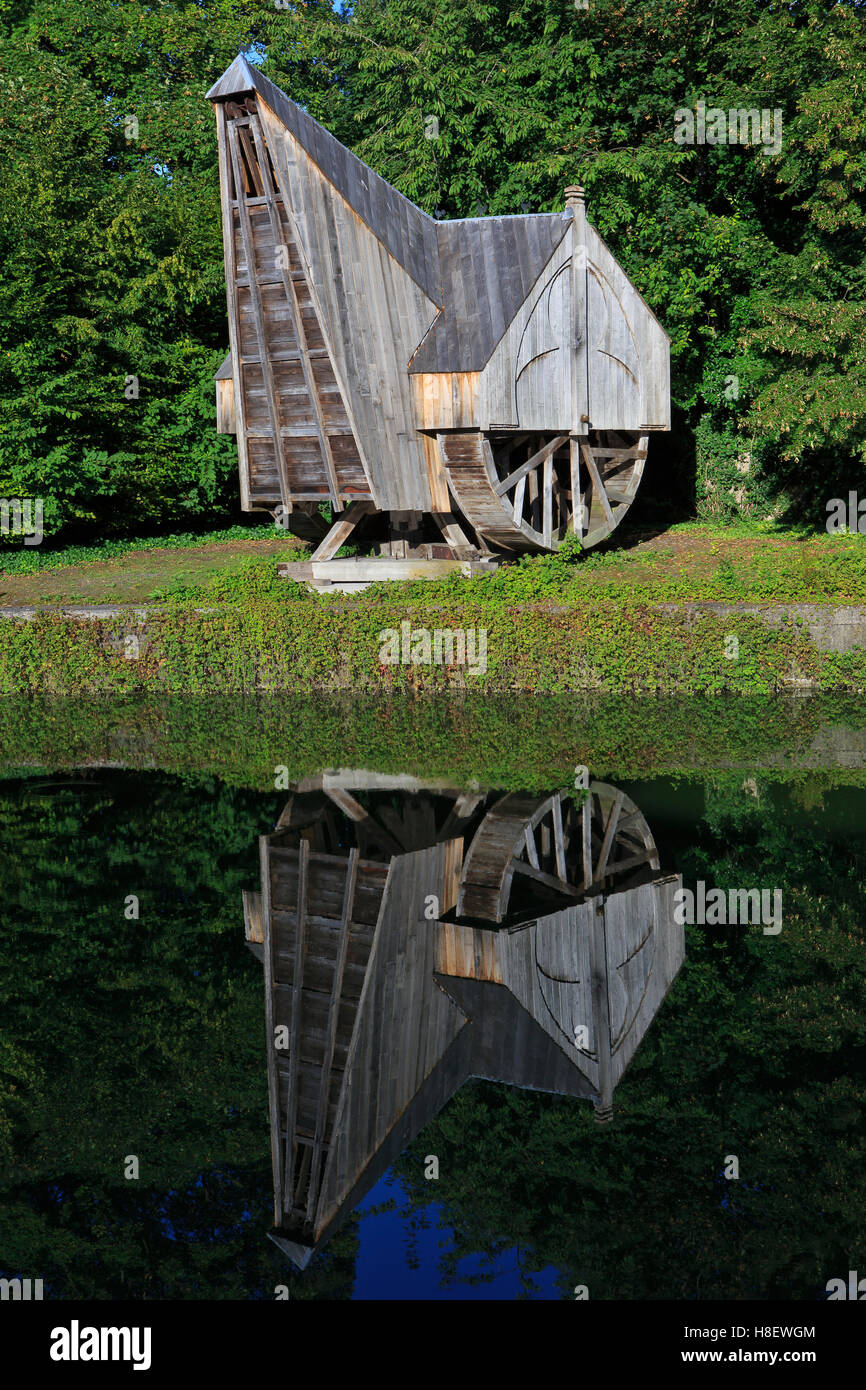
(438, 1041)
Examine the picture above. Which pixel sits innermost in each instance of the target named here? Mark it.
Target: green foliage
(753, 260)
(125, 1036)
(112, 257)
(553, 624)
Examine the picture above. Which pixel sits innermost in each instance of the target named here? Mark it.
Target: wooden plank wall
(405, 1024)
(629, 357)
(547, 967)
(645, 949)
(528, 380)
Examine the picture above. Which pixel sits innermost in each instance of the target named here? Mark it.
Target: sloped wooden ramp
(295, 440)
(319, 918)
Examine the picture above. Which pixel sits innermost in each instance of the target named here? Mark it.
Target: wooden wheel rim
(538, 500)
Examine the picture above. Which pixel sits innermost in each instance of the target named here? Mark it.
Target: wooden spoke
(610, 831)
(558, 839)
(586, 826)
(531, 852)
(547, 506)
(507, 483)
(592, 469)
(519, 494)
(528, 846)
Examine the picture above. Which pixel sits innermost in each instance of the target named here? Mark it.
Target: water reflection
(414, 935)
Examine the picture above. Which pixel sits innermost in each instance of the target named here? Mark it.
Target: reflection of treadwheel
(540, 853)
(517, 490)
(382, 824)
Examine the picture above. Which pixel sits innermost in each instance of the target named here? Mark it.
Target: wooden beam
(621, 866)
(559, 838)
(231, 297)
(547, 503)
(539, 876)
(519, 494)
(341, 530)
(270, 967)
(576, 493)
(609, 833)
(331, 1036)
(529, 840)
(453, 532)
(295, 1040)
(347, 803)
(592, 469)
(619, 455)
(586, 826)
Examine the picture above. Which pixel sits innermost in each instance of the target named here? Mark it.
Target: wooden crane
(458, 389)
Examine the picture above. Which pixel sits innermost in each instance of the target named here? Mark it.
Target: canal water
(377, 1035)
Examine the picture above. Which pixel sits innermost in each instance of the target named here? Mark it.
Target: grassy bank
(225, 621)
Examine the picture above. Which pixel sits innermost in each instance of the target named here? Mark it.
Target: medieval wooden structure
(412, 938)
(456, 389)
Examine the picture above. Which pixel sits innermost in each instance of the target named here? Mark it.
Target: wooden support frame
(230, 265)
(342, 530)
(297, 319)
(531, 463)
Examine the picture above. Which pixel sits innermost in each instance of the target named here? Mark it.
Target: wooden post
(231, 292)
(576, 493)
(579, 301)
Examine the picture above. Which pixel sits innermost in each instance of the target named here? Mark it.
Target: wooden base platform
(351, 575)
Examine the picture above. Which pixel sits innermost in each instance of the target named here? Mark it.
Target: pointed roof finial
(574, 196)
(238, 79)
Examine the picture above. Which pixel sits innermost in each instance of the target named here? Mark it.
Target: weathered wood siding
(527, 381)
(629, 352)
(404, 1027)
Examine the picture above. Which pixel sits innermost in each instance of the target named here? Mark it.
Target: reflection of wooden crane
(402, 955)
(457, 387)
